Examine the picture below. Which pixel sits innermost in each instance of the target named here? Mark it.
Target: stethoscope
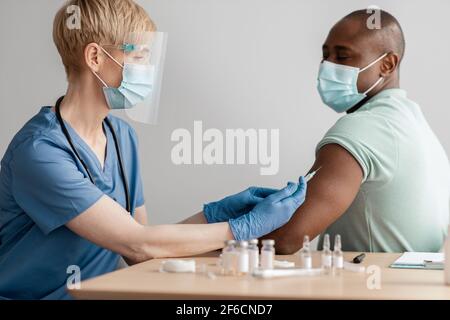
(116, 143)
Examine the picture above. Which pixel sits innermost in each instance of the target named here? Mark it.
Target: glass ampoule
(338, 256)
(305, 254)
(326, 254)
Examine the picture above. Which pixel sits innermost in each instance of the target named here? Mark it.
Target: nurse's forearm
(180, 240)
(108, 225)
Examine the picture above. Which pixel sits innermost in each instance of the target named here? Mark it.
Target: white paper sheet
(418, 259)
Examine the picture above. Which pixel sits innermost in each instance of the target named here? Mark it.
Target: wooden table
(144, 281)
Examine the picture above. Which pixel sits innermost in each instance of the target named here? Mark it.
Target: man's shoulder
(364, 132)
(362, 123)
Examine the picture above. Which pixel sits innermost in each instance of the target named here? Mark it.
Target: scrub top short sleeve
(44, 175)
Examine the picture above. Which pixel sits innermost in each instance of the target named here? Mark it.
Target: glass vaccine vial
(267, 254)
(228, 258)
(253, 255)
(242, 258)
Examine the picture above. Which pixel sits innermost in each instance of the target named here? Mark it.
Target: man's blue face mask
(337, 85)
(136, 85)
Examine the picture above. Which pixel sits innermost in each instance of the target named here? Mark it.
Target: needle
(310, 175)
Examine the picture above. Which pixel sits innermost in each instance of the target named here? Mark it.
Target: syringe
(310, 175)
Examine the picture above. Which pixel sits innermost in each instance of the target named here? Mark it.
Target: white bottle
(305, 254)
(326, 254)
(253, 255)
(447, 258)
(338, 256)
(267, 254)
(228, 258)
(242, 261)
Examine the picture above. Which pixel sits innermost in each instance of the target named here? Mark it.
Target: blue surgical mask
(337, 85)
(136, 85)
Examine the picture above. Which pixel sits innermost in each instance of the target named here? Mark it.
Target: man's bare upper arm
(329, 194)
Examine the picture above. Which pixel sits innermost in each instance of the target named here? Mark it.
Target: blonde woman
(70, 186)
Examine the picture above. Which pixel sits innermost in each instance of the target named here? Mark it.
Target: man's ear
(389, 64)
(93, 56)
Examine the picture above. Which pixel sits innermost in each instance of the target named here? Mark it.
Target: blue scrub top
(42, 187)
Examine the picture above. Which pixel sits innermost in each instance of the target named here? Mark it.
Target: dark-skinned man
(384, 182)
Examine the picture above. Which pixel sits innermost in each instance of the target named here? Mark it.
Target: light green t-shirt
(403, 202)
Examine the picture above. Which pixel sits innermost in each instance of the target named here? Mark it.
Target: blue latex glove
(235, 205)
(271, 213)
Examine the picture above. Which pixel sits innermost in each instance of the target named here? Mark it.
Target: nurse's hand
(235, 205)
(271, 213)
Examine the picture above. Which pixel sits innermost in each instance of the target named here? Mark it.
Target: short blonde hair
(101, 21)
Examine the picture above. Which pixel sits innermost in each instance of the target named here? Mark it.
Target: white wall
(231, 64)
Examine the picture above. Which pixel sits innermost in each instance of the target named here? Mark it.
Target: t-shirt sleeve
(48, 186)
(370, 140)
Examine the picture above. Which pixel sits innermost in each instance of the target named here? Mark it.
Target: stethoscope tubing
(116, 143)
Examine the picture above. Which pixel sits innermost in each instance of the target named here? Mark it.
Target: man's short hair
(390, 35)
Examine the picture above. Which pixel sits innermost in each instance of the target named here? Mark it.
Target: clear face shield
(143, 64)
